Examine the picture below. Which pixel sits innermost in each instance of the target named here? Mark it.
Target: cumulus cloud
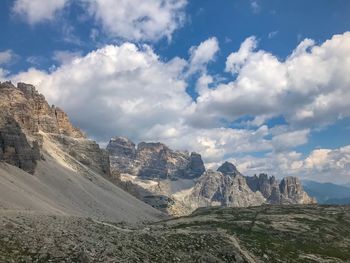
(65, 56)
(124, 89)
(139, 19)
(7, 56)
(35, 11)
(310, 88)
(202, 54)
(128, 90)
(287, 140)
(237, 59)
(327, 165)
(136, 20)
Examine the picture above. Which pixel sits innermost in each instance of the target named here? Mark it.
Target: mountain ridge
(153, 170)
(49, 166)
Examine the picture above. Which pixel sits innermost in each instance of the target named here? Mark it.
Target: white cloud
(35, 11)
(272, 34)
(255, 6)
(129, 91)
(309, 89)
(139, 19)
(135, 20)
(126, 90)
(7, 56)
(65, 56)
(287, 140)
(327, 165)
(202, 54)
(237, 59)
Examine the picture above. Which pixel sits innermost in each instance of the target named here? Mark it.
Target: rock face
(288, 191)
(153, 160)
(178, 183)
(25, 116)
(263, 184)
(292, 192)
(216, 188)
(14, 147)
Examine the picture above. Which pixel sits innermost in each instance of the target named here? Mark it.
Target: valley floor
(257, 234)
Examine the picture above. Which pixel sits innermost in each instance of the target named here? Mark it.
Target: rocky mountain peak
(121, 146)
(153, 160)
(228, 168)
(25, 116)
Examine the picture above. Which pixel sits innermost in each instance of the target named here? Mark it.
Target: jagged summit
(26, 118)
(178, 182)
(70, 173)
(173, 181)
(153, 160)
(228, 168)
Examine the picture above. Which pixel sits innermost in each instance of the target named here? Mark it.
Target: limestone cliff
(178, 183)
(153, 160)
(25, 117)
(288, 191)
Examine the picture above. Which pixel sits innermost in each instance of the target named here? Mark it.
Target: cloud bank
(129, 90)
(135, 20)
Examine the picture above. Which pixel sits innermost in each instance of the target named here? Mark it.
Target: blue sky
(224, 78)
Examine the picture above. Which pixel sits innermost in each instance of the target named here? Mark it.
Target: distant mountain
(48, 166)
(328, 193)
(178, 182)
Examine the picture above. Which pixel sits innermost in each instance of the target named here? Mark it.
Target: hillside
(50, 167)
(256, 234)
(178, 182)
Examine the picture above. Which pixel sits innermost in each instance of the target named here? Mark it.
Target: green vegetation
(281, 233)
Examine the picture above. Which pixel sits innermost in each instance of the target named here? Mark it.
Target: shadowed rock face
(153, 160)
(196, 166)
(31, 115)
(292, 192)
(288, 191)
(228, 168)
(216, 188)
(152, 163)
(262, 183)
(14, 147)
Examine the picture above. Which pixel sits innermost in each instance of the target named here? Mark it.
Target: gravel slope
(55, 189)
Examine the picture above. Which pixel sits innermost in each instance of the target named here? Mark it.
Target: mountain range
(49, 166)
(328, 193)
(178, 182)
(72, 174)
(64, 199)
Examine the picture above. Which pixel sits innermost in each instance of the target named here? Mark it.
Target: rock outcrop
(218, 189)
(178, 183)
(26, 116)
(292, 192)
(14, 147)
(153, 160)
(228, 168)
(288, 191)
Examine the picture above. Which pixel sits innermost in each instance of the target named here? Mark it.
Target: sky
(263, 84)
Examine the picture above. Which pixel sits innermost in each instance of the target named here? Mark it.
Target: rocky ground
(256, 234)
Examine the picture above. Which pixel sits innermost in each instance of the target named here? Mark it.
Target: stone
(288, 191)
(196, 166)
(153, 160)
(228, 168)
(15, 149)
(31, 116)
(216, 188)
(292, 192)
